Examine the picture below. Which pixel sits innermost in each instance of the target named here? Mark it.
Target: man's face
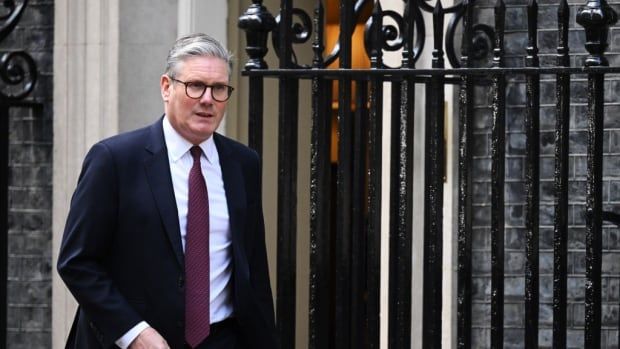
(195, 119)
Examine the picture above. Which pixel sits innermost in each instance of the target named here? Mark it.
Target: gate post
(257, 22)
(595, 17)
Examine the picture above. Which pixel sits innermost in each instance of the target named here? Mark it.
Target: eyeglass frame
(186, 83)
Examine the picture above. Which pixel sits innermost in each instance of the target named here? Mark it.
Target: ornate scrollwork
(18, 72)
(393, 33)
(482, 39)
(301, 27)
(9, 9)
(393, 36)
(10, 16)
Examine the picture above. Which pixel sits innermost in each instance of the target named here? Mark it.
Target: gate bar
(498, 150)
(463, 315)
(594, 198)
(287, 210)
(320, 198)
(433, 192)
(595, 17)
(423, 74)
(358, 223)
(257, 23)
(401, 198)
(532, 180)
(560, 224)
(375, 166)
(320, 207)
(401, 193)
(343, 216)
(287, 186)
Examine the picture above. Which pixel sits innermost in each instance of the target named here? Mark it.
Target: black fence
(345, 212)
(18, 75)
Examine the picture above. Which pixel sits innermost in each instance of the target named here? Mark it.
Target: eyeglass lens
(218, 92)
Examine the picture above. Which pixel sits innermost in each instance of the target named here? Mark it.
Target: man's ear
(165, 85)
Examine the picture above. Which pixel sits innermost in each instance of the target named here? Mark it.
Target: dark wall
(514, 311)
(29, 284)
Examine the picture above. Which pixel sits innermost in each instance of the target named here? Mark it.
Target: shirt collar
(179, 146)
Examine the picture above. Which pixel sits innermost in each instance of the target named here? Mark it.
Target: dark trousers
(224, 335)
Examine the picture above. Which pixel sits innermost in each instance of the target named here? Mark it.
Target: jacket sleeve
(86, 245)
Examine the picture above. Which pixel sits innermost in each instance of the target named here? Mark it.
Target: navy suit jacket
(121, 255)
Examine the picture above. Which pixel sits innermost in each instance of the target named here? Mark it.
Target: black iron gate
(345, 265)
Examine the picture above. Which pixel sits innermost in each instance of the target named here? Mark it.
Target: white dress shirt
(220, 238)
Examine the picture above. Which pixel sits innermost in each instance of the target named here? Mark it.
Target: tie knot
(196, 151)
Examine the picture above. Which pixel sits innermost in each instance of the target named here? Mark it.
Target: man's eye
(220, 88)
(196, 85)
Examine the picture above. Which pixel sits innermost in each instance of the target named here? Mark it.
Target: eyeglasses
(196, 89)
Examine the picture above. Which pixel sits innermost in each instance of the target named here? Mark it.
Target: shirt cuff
(129, 337)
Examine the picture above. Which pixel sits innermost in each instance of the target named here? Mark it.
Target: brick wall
(29, 288)
(514, 262)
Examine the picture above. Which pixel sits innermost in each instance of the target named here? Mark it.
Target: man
(164, 243)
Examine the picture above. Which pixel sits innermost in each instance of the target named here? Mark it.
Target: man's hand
(149, 339)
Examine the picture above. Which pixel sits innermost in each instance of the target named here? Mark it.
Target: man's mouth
(204, 114)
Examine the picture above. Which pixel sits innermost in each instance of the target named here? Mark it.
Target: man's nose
(207, 96)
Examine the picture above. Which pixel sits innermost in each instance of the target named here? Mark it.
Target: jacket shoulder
(128, 140)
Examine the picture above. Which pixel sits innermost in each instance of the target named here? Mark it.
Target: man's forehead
(203, 64)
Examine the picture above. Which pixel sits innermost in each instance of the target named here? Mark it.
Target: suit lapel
(234, 185)
(158, 175)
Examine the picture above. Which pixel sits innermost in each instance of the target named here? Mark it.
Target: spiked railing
(596, 17)
(346, 208)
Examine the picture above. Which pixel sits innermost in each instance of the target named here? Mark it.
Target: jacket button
(181, 282)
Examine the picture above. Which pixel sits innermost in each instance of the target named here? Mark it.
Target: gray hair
(196, 45)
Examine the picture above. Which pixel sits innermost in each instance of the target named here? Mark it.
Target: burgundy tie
(197, 324)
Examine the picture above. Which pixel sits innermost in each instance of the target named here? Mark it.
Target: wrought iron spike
(357, 11)
(500, 21)
(466, 46)
(407, 35)
(376, 57)
(596, 17)
(390, 37)
(563, 17)
(301, 31)
(532, 34)
(318, 45)
(438, 20)
(257, 22)
(416, 15)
